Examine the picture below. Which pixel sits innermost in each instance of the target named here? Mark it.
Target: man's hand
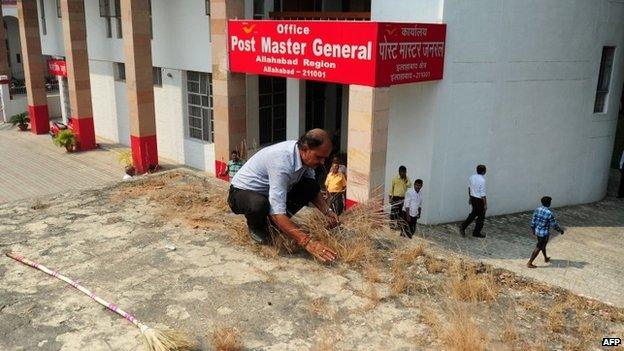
(320, 251)
(332, 219)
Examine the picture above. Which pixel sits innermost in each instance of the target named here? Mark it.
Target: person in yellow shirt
(400, 184)
(336, 183)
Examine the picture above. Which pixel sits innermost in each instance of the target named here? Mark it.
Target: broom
(155, 340)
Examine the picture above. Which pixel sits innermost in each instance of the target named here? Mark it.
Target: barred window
(58, 8)
(199, 99)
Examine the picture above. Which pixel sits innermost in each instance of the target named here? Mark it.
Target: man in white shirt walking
(412, 207)
(478, 201)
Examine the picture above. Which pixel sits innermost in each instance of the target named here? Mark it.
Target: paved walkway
(31, 165)
(588, 259)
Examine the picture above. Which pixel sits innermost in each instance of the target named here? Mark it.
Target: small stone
(269, 303)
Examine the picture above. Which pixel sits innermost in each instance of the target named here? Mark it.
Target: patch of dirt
(466, 305)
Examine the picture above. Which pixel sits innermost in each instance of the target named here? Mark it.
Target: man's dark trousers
(255, 206)
(478, 212)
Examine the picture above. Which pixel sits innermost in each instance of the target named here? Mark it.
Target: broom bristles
(167, 340)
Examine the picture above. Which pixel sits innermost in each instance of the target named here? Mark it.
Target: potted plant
(67, 139)
(125, 158)
(21, 120)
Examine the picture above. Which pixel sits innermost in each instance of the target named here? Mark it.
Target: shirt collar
(297, 156)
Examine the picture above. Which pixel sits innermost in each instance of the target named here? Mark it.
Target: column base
(220, 166)
(39, 119)
(85, 132)
(144, 153)
(350, 203)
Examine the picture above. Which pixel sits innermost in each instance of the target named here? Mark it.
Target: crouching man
(277, 182)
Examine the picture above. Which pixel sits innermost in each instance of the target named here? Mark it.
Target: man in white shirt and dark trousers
(478, 201)
(412, 206)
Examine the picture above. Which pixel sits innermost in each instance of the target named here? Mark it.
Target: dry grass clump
(227, 339)
(510, 330)
(373, 296)
(321, 308)
(459, 332)
(358, 237)
(556, 318)
(467, 284)
(399, 283)
(434, 265)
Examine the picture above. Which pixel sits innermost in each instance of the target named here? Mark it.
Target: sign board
(57, 68)
(364, 53)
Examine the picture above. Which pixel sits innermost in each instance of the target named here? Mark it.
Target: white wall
(104, 102)
(517, 95)
(181, 35)
(170, 115)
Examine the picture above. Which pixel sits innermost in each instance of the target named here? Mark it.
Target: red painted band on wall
(5, 81)
(144, 153)
(85, 132)
(221, 166)
(350, 203)
(39, 119)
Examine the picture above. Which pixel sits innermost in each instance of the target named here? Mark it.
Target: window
(157, 73)
(118, 18)
(199, 92)
(44, 28)
(207, 7)
(272, 109)
(604, 79)
(58, 8)
(120, 71)
(18, 58)
(258, 9)
(105, 11)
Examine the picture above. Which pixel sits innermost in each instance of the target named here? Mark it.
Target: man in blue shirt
(543, 220)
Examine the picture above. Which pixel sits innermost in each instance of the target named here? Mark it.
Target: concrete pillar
(344, 123)
(229, 89)
(64, 97)
(79, 83)
(367, 142)
(5, 72)
(139, 83)
(295, 108)
(34, 67)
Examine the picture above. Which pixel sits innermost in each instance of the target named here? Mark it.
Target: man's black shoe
(478, 235)
(260, 236)
(462, 231)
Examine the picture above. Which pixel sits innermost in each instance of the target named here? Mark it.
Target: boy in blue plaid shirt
(543, 220)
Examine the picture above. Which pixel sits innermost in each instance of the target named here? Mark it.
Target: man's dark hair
(546, 200)
(418, 181)
(313, 139)
(402, 169)
(481, 169)
(236, 152)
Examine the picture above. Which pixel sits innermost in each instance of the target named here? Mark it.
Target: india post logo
(611, 341)
(249, 28)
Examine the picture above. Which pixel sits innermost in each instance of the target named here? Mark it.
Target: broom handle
(56, 274)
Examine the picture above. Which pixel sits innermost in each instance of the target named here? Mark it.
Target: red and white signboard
(363, 53)
(57, 68)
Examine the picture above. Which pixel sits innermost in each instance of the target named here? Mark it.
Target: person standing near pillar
(336, 185)
(478, 201)
(400, 184)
